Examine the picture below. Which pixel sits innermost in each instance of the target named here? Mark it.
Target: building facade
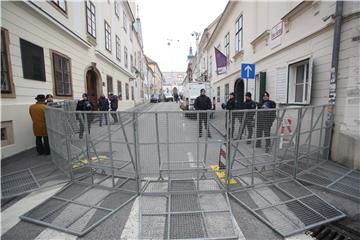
(157, 76)
(65, 48)
(291, 44)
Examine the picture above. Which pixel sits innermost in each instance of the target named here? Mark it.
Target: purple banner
(221, 61)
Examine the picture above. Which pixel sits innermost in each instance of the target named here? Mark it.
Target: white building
(65, 48)
(291, 44)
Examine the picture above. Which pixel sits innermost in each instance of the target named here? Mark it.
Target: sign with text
(276, 33)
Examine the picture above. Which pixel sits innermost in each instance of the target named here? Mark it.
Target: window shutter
(281, 85)
(308, 97)
(262, 87)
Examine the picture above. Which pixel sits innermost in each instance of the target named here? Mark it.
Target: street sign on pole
(247, 70)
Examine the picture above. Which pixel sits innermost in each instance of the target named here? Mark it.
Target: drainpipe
(333, 78)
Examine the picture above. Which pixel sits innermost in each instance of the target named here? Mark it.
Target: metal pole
(321, 132)
(158, 142)
(228, 148)
(253, 146)
(333, 77)
(310, 136)
(68, 147)
(198, 151)
(297, 144)
(86, 129)
(168, 147)
(206, 140)
(136, 152)
(111, 151)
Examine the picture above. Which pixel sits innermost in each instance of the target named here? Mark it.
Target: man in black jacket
(114, 106)
(203, 102)
(265, 120)
(103, 106)
(231, 105)
(84, 105)
(249, 116)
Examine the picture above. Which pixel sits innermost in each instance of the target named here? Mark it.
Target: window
(126, 57)
(131, 63)
(7, 133)
(124, 21)
(226, 92)
(61, 4)
(117, 8)
(132, 93)
(119, 87)
(109, 84)
(7, 86)
(107, 37)
(239, 34)
(218, 94)
(127, 91)
(90, 18)
(210, 66)
(32, 57)
(62, 74)
(227, 45)
(118, 48)
(300, 82)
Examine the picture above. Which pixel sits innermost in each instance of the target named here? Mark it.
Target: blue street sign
(247, 70)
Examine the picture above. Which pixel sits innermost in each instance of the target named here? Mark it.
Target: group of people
(265, 118)
(37, 114)
(104, 104)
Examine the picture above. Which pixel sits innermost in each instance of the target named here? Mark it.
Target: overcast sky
(174, 19)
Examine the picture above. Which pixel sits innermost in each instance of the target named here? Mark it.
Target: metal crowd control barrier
(171, 159)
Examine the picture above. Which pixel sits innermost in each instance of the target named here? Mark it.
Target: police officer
(230, 105)
(265, 120)
(203, 102)
(249, 117)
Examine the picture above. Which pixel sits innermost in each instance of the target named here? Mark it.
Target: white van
(192, 91)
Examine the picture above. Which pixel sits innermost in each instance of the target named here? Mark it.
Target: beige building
(65, 48)
(158, 76)
(291, 44)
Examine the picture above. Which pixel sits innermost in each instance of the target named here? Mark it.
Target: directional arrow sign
(247, 70)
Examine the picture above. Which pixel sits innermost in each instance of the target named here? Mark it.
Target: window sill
(63, 97)
(238, 54)
(91, 39)
(8, 95)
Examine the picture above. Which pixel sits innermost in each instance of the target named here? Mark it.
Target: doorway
(239, 92)
(92, 87)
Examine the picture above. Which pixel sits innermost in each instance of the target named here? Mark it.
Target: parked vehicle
(192, 91)
(168, 97)
(155, 98)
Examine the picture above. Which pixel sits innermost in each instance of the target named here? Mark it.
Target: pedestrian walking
(265, 120)
(203, 102)
(84, 105)
(249, 116)
(37, 113)
(114, 102)
(103, 103)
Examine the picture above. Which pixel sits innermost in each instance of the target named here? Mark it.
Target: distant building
(158, 76)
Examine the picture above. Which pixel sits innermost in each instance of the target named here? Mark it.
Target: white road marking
(10, 217)
(51, 234)
(131, 229)
(191, 159)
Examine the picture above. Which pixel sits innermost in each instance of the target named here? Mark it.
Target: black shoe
(248, 142)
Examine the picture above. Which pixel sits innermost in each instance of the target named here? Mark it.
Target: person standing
(37, 113)
(114, 106)
(230, 105)
(265, 120)
(203, 102)
(104, 107)
(249, 116)
(84, 105)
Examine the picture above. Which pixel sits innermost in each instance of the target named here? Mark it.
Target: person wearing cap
(249, 116)
(37, 113)
(203, 102)
(84, 105)
(265, 120)
(230, 105)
